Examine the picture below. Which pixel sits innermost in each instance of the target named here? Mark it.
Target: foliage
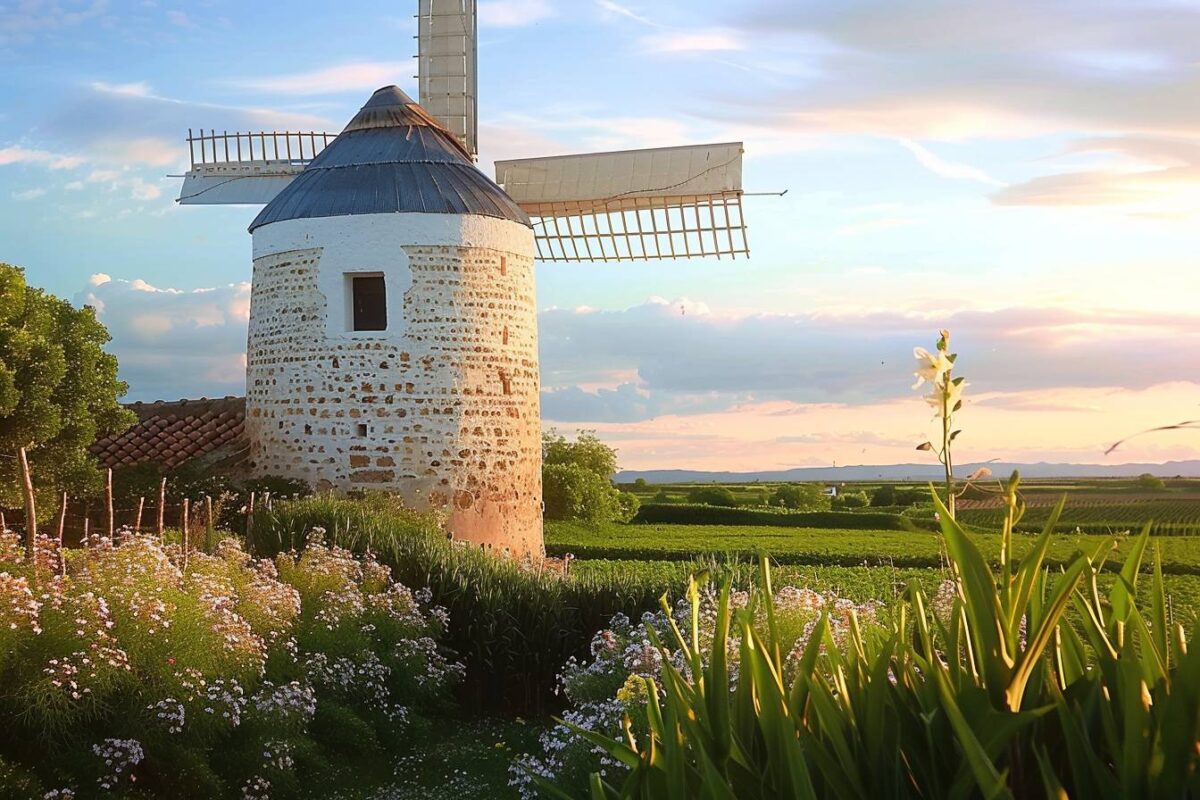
(630, 505)
(515, 623)
(800, 497)
(987, 689)
(58, 388)
(199, 675)
(712, 496)
(891, 495)
(828, 546)
(847, 500)
(587, 452)
(1151, 482)
(577, 480)
(690, 514)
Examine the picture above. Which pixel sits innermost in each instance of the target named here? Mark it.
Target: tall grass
(994, 693)
(512, 626)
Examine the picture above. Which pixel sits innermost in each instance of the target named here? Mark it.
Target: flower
(945, 398)
(931, 367)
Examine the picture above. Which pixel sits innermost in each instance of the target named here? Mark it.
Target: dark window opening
(370, 303)
(362, 431)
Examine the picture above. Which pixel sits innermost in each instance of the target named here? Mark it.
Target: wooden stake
(86, 523)
(184, 533)
(162, 508)
(108, 507)
(210, 525)
(3, 524)
(30, 506)
(250, 516)
(137, 521)
(62, 524)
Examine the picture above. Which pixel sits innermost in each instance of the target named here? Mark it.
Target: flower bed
(136, 667)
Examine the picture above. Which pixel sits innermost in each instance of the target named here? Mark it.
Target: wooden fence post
(184, 533)
(162, 508)
(210, 524)
(250, 517)
(30, 506)
(137, 521)
(62, 524)
(108, 508)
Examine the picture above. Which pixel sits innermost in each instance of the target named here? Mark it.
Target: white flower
(931, 367)
(944, 399)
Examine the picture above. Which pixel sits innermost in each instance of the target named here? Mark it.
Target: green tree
(847, 500)
(640, 484)
(58, 388)
(800, 497)
(884, 496)
(1151, 482)
(577, 480)
(586, 451)
(712, 496)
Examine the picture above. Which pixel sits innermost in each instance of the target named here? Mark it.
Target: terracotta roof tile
(171, 434)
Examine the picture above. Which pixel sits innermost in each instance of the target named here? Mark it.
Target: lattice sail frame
(447, 65)
(656, 203)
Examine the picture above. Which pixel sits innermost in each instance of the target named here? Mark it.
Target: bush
(890, 495)
(986, 689)
(712, 496)
(515, 624)
(800, 497)
(680, 514)
(199, 674)
(848, 500)
(1150, 482)
(570, 491)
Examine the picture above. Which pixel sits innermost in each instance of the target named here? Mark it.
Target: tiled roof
(171, 434)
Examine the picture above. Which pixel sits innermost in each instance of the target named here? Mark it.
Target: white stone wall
(442, 407)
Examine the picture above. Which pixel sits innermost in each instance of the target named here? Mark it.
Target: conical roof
(392, 157)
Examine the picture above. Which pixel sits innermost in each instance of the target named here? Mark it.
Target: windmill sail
(245, 168)
(666, 202)
(446, 65)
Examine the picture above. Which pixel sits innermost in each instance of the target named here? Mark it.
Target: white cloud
(17, 154)
(23, 21)
(693, 41)
(947, 169)
(625, 11)
(29, 194)
(514, 13)
(355, 76)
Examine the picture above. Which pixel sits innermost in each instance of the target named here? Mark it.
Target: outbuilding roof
(392, 157)
(171, 434)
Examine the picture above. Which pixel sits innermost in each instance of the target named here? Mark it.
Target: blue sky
(1026, 173)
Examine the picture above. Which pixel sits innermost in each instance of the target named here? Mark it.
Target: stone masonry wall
(443, 407)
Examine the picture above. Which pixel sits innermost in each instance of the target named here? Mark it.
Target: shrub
(712, 496)
(681, 514)
(986, 689)
(571, 491)
(138, 662)
(848, 500)
(515, 624)
(800, 497)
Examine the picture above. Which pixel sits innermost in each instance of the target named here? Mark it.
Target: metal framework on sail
(447, 65)
(246, 168)
(658, 203)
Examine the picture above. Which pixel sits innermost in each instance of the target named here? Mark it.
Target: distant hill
(913, 472)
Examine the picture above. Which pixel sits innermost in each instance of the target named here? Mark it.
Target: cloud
(29, 194)
(693, 41)
(356, 76)
(22, 22)
(174, 343)
(620, 10)
(16, 154)
(947, 169)
(514, 13)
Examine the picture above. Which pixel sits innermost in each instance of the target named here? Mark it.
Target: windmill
(393, 329)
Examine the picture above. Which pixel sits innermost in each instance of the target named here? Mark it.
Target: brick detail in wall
(441, 429)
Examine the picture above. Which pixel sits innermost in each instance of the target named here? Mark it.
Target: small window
(361, 430)
(369, 303)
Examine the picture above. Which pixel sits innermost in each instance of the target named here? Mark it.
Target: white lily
(931, 367)
(945, 398)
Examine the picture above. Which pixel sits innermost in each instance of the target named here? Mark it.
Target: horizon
(1028, 179)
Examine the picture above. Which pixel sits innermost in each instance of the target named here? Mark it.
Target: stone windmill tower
(393, 328)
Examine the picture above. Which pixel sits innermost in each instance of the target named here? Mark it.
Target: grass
(818, 547)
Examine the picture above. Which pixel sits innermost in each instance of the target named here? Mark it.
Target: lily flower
(931, 367)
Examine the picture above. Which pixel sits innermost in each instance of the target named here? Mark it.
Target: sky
(1026, 175)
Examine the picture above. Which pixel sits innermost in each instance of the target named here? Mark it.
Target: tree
(640, 483)
(712, 496)
(577, 480)
(847, 500)
(1151, 482)
(800, 497)
(58, 388)
(884, 496)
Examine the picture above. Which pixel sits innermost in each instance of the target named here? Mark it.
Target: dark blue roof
(392, 157)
